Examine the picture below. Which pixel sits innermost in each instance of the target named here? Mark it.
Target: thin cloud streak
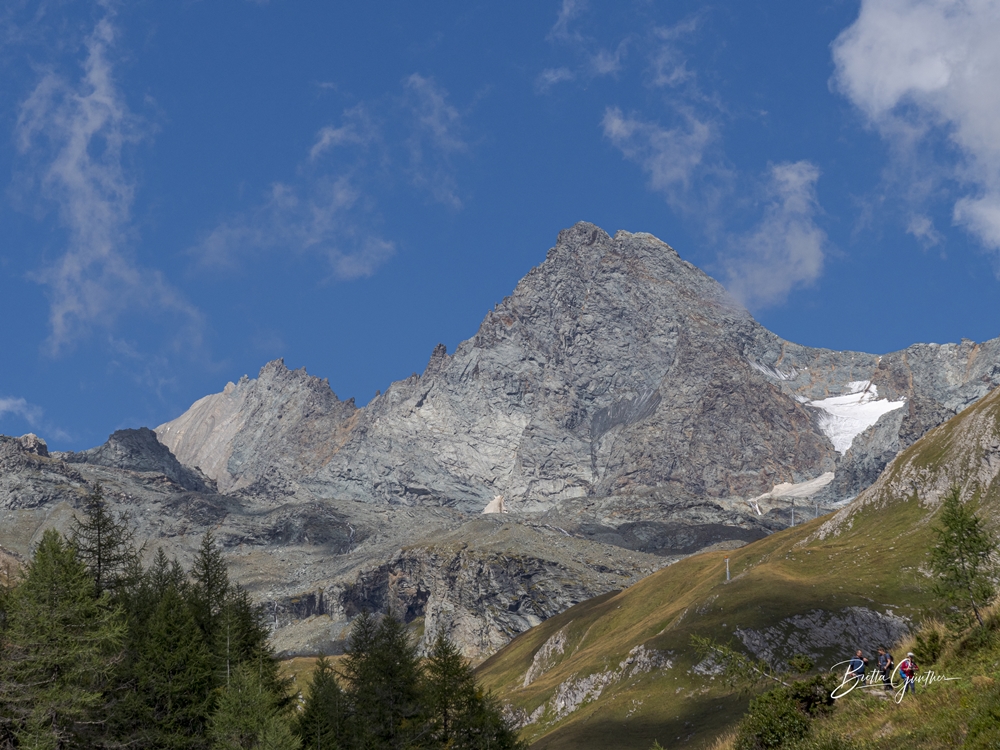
(435, 140)
(786, 249)
(330, 208)
(75, 136)
(669, 156)
(925, 73)
(20, 408)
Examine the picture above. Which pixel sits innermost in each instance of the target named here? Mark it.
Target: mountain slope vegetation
(855, 579)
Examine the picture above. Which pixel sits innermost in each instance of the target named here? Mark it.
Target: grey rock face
(615, 369)
(622, 404)
(139, 450)
(270, 431)
(819, 634)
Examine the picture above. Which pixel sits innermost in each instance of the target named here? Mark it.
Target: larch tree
(963, 559)
(59, 649)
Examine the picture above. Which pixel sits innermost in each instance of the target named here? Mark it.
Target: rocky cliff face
(615, 369)
(272, 430)
(622, 405)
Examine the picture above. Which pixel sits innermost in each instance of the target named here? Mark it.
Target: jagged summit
(139, 450)
(624, 407)
(614, 369)
(284, 419)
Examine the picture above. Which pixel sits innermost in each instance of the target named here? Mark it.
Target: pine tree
(963, 559)
(324, 721)
(59, 649)
(211, 585)
(384, 677)
(462, 715)
(106, 545)
(174, 678)
(449, 688)
(249, 716)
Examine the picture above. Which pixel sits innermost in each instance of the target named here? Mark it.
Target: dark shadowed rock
(139, 450)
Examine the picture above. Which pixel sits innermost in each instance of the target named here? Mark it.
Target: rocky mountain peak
(139, 450)
(31, 443)
(285, 420)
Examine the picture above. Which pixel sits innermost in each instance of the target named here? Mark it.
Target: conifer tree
(324, 721)
(449, 688)
(106, 545)
(462, 716)
(59, 648)
(963, 558)
(211, 585)
(249, 716)
(174, 678)
(383, 673)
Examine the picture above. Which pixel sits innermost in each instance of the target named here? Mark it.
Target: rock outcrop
(619, 408)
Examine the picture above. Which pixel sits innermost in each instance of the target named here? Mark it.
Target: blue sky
(191, 189)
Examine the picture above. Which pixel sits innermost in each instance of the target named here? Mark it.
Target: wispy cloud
(569, 10)
(435, 140)
(668, 64)
(924, 74)
(592, 59)
(20, 408)
(74, 135)
(786, 249)
(551, 77)
(670, 156)
(330, 208)
(29, 414)
(357, 129)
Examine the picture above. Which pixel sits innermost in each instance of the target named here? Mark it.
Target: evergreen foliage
(180, 660)
(211, 585)
(324, 723)
(460, 714)
(174, 678)
(383, 675)
(963, 559)
(106, 546)
(249, 716)
(391, 700)
(60, 646)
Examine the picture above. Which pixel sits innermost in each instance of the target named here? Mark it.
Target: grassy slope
(938, 717)
(872, 558)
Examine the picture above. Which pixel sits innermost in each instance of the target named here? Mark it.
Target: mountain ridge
(627, 411)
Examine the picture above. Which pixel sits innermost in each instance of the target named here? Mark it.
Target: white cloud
(786, 249)
(552, 76)
(435, 139)
(20, 408)
(927, 70)
(568, 10)
(75, 135)
(668, 64)
(330, 207)
(357, 130)
(592, 59)
(670, 156)
(921, 227)
(315, 217)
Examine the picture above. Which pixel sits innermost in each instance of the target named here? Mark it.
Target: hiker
(856, 666)
(908, 669)
(885, 665)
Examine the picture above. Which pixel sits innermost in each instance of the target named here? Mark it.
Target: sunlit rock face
(616, 411)
(614, 369)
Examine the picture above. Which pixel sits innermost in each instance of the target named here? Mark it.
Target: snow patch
(496, 505)
(845, 417)
(796, 489)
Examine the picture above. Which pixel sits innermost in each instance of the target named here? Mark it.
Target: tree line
(97, 651)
